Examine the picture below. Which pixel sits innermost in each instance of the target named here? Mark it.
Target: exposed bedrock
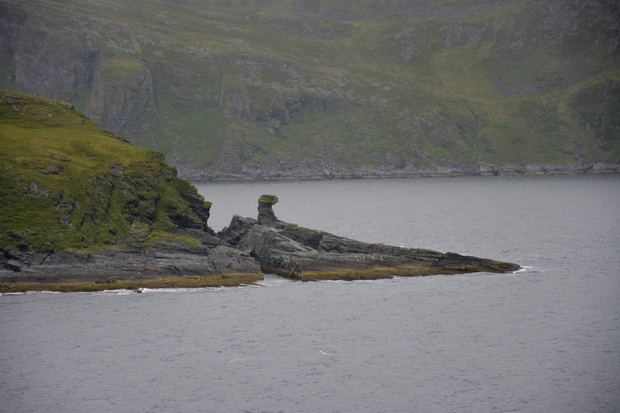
(137, 259)
(245, 248)
(266, 215)
(305, 254)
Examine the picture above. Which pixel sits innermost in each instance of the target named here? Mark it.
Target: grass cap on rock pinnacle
(268, 199)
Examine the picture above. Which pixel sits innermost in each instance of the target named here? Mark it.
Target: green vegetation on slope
(67, 184)
(294, 87)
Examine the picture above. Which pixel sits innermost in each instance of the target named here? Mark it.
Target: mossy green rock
(79, 205)
(67, 184)
(268, 199)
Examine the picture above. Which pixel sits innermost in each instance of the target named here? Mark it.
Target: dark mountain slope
(305, 88)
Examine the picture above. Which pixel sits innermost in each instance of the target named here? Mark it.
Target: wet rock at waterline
(239, 254)
(306, 254)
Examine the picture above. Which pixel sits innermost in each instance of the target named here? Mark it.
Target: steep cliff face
(536, 52)
(122, 97)
(68, 61)
(46, 59)
(304, 88)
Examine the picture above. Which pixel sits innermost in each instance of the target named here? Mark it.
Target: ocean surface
(544, 339)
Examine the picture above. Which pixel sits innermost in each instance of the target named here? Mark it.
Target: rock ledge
(305, 254)
(238, 255)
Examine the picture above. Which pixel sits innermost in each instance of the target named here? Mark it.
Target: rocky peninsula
(309, 255)
(240, 254)
(84, 210)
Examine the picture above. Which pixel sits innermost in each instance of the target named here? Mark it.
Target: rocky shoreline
(407, 171)
(237, 255)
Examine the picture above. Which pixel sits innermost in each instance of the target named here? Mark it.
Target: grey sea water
(545, 339)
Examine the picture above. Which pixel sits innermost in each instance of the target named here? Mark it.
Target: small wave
(272, 280)
(178, 290)
(30, 293)
(115, 292)
(378, 280)
(530, 269)
(361, 280)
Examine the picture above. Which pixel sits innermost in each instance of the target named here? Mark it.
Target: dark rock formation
(306, 254)
(266, 215)
(244, 249)
(90, 208)
(136, 258)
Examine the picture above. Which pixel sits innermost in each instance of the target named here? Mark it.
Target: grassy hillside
(305, 87)
(66, 184)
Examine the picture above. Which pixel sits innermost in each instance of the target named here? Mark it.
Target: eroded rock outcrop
(266, 215)
(305, 254)
(88, 207)
(241, 252)
(137, 257)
